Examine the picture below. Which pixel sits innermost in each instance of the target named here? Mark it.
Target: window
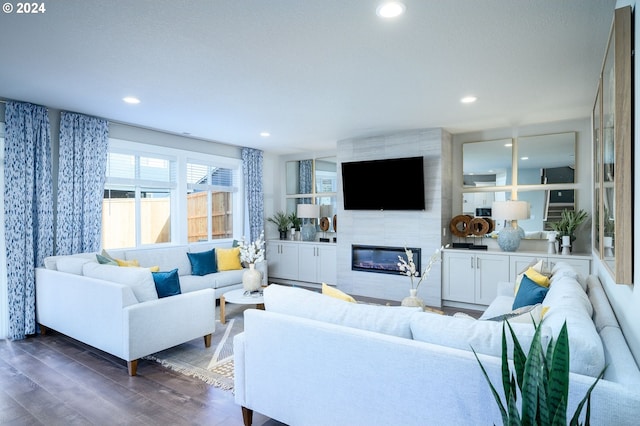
(209, 202)
(138, 199)
(160, 195)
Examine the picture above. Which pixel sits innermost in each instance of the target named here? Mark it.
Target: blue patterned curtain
(84, 145)
(28, 206)
(252, 169)
(306, 179)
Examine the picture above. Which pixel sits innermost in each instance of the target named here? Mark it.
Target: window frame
(179, 229)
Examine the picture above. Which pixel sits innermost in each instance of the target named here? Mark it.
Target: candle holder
(566, 244)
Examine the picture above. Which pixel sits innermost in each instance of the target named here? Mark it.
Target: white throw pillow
(139, 279)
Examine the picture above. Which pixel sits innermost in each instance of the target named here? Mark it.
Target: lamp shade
(510, 210)
(326, 210)
(308, 211)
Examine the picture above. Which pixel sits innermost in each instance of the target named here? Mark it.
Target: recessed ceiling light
(390, 9)
(508, 145)
(468, 99)
(265, 134)
(131, 100)
(524, 158)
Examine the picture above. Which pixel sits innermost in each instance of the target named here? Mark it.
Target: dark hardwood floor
(55, 380)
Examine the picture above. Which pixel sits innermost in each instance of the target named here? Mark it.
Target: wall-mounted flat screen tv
(391, 184)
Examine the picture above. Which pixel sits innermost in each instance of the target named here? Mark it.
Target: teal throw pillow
(167, 283)
(203, 263)
(529, 293)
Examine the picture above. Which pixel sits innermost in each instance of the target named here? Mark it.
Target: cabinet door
(308, 263)
(327, 264)
(283, 260)
(458, 277)
(490, 270)
(582, 266)
(519, 264)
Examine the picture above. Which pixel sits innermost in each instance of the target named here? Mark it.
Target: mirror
(487, 163)
(547, 159)
(541, 159)
(318, 177)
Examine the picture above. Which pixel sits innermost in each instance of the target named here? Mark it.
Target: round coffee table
(239, 297)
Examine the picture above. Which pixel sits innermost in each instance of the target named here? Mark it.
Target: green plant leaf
(560, 416)
(506, 374)
(558, 383)
(532, 379)
(519, 357)
(514, 414)
(496, 396)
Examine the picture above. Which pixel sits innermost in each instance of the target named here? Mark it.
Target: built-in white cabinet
(472, 277)
(282, 257)
(309, 262)
(519, 262)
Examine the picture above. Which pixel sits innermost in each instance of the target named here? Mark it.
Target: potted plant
(282, 222)
(568, 223)
(296, 223)
(541, 380)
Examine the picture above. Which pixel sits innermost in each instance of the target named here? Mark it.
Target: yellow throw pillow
(537, 277)
(154, 268)
(228, 259)
(327, 290)
(127, 263)
(535, 265)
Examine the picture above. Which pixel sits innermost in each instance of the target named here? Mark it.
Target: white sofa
(116, 309)
(314, 360)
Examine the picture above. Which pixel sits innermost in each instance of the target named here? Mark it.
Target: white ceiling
(309, 72)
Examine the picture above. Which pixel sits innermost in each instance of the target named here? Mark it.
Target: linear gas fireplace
(380, 259)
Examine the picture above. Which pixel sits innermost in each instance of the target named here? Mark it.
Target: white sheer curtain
(4, 303)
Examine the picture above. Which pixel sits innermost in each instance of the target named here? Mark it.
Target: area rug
(213, 365)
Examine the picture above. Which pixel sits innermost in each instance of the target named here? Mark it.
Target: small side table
(238, 297)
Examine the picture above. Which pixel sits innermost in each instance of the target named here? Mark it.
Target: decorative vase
(252, 279)
(608, 246)
(412, 299)
(283, 235)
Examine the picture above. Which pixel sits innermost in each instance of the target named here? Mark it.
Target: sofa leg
(247, 416)
(207, 341)
(43, 330)
(133, 367)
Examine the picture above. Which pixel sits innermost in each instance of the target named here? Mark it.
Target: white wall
(626, 299)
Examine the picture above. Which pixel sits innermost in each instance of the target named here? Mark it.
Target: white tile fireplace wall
(423, 229)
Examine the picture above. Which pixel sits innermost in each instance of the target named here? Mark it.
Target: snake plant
(543, 381)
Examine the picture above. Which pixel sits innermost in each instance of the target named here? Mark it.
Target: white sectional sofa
(117, 309)
(314, 360)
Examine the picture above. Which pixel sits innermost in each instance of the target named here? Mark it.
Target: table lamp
(308, 212)
(509, 236)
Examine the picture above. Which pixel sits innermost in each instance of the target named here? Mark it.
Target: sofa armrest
(156, 325)
(86, 309)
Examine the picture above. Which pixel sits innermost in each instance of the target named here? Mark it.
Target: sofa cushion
(72, 264)
(568, 302)
(484, 337)
(393, 320)
(128, 263)
(603, 315)
(228, 259)
(166, 258)
(139, 279)
(203, 263)
(529, 293)
(167, 283)
(563, 269)
(51, 262)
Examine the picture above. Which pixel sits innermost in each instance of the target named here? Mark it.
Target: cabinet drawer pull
(472, 262)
